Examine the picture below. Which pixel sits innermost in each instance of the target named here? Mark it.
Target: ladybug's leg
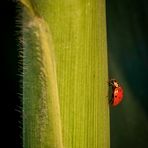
(112, 99)
(111, 83)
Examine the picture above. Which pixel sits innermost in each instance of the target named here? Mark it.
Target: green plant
(65, 74)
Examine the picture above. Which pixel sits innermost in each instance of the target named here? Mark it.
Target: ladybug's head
(114, 83)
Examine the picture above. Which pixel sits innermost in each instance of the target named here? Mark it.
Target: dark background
(10, 117)
(127, 30)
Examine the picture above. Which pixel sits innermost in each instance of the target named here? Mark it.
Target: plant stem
(75, 111)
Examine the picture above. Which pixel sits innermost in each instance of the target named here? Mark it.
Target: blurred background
(127, 31)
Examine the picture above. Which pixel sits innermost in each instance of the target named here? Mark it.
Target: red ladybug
(117, 92)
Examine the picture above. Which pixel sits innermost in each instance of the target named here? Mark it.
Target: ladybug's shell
(117, 95)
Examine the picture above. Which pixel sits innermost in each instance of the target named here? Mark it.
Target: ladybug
(117, 92)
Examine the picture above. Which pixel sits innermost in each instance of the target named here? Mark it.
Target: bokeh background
(127, 30)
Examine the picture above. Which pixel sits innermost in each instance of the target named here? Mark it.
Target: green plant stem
(78, 31)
